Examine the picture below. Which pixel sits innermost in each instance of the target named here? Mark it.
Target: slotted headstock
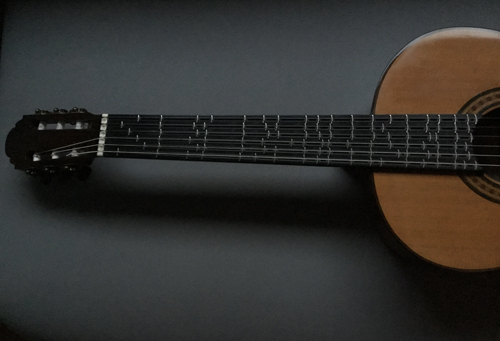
(54, 142)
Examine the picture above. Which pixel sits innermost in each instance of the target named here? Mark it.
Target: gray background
(174, 250)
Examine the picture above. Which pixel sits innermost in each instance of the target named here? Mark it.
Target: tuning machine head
(45, 175)
(76, 110)
(42, 112)
(57, 143)
(59, 111)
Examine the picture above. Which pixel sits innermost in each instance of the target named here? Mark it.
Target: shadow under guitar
(102, 197)
(453, 301)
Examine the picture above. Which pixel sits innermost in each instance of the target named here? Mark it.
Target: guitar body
(441, 218)
(441, 197)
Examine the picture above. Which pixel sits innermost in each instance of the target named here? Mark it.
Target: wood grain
(438, 216)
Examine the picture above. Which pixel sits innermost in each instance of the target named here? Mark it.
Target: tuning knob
(45, 177)
(38, 112)
(63, 111)
(74, 110)
(55, 111)
(31, 172)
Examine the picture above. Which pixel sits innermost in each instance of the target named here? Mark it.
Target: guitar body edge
(439, 217)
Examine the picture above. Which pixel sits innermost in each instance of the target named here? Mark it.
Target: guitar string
(317, 159)
(300, 141)
(272, 127)
(269, 144)
(395, 121)
(332, 131)
(239, 122)
(321, 127)
(310, 143)
(310, 139)
(296, 151)
(288, 150)
(309, 119)
(287, 131)
(308, 134)
(402, 118)
(346, 118)
(286, 120)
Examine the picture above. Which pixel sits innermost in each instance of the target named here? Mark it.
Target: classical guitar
(432, 141)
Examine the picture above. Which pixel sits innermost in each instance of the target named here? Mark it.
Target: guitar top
(449, 219)
(432, 141)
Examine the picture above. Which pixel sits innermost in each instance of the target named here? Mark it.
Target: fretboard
(388, 141)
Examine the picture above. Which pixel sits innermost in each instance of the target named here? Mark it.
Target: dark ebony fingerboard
(399, 141)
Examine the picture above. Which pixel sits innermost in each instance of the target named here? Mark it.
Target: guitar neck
(388, 141)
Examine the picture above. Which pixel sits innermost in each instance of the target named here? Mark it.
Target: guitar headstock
(54, 142)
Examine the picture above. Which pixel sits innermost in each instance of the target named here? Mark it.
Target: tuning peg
(31, 172)
(45, 177)
(69, 169)
(82, 110)
(63, 111)
(55, 111)
(38, 112)
(50, 170)
(74, 110)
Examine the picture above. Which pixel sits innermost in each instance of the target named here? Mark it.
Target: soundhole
(487, 144)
